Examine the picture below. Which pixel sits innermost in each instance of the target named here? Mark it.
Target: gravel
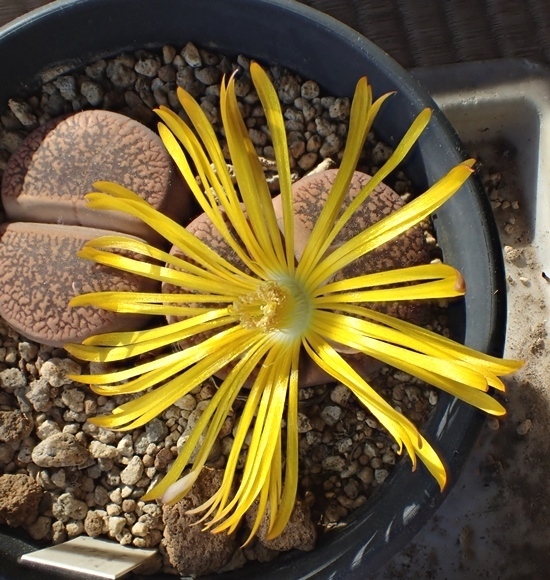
(94, 479)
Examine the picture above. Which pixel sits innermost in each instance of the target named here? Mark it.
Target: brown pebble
(524, 427)
(191, 550)
(20, 497)
(48, 176)
(299, 533)
(14, 426)
(39, 274)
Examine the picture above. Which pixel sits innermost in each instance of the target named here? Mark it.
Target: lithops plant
(43, 191)
(48, 176)
(40, 273)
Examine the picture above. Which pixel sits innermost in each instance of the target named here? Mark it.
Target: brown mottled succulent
(43, 191)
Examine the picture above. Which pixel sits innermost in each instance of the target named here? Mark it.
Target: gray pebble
(187, 402)
(101, 450)
(116, 496)
(191, 55)
(331, 146)
(288, 89)
(343, 445)
(331, 415)
(39, 395)
(366, 475)
(96, 70)
(132, 473)
(60, 450)
(73, 399)
(314, 143)
(6, 453)
(155, 431)
(297, 149)
(334, 463)
(323, 126)
(210, 110)
(24, 456)
(27, 350)
(67, 507)
(308, 160)
(101, 496)
(304, 424)
(11, 141)
(259, 138)
(147, 66)
(59, 533)
(351, 469)
(309, 90)
(168, 54)
(178, 61)
(116, 525)
(11, 379)
(40, 528)
(340, 395)
(66, 86)
(55, 371)
(381, 153)
(140, 529)
(113, 509)
(59, 478)
(93, 524)
(92, 92)
(167, 74)
(380, 475)
(120, 74)
(160, 97)
(208, 76)
(47, 429)
(74, 529)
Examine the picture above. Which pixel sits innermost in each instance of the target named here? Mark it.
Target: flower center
(275, 306)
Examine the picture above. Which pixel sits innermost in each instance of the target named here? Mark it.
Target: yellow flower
(261, 319)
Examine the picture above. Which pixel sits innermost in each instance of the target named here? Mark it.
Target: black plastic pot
(318, 47)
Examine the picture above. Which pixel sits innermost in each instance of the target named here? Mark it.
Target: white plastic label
(91, 556)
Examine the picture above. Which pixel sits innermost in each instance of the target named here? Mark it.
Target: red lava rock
(20, 496)
(191, 550)
(300, 532)
(14, 426)
(48, 176)
(39, 274)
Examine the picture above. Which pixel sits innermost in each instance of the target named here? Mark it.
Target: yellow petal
(251, 180)
(391, 226)
(231, 385)
(359, 125)
(272, 108)
(189, 327)
(446, 283)
(278, 523)
(403, 431)
(137, 412)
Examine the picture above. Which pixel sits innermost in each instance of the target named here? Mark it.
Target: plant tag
(89, 556)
